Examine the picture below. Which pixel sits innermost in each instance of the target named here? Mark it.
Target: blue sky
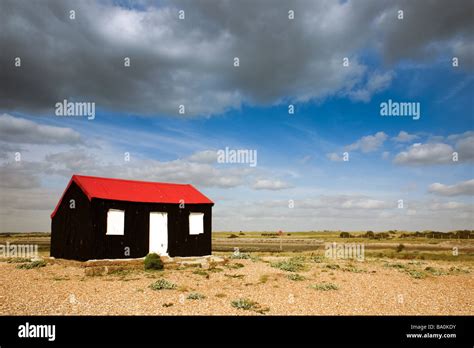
(337, 110)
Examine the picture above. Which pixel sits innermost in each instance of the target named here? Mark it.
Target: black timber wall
(71, 228)
(135, 241)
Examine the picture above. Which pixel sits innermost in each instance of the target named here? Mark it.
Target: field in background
(397, 244)
(266, 274)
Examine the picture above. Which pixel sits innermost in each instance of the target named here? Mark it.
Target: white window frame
(115, 222)
(196, 224)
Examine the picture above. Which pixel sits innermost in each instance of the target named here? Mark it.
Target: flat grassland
(268, 275)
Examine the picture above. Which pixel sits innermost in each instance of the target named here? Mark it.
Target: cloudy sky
(334, 61)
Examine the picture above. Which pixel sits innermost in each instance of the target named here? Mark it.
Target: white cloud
(350, 202)
(334, 157)
(305, 159)
(363, 204)
(465, 148)
(460, 188)
(207, 156)
(456, 137)
(376, 82)
(266, 184)
(404, 137)
(20, 130)
(438, 150)
(425, 154)
(448, 206)
(368, 143)
(20, 175)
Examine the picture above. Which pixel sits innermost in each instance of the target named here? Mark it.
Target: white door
(159, 233)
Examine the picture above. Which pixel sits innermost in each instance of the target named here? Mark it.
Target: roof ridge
(129, 180)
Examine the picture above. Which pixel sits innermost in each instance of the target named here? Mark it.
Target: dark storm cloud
(190, 61)
(430, 28)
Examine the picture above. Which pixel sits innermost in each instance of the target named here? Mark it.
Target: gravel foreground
(375, 287)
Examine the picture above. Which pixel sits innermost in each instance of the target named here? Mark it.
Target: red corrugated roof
(136, 191)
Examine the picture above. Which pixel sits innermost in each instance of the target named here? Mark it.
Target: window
(196, 223)
(115, 222)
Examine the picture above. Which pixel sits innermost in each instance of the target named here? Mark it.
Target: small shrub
(263, 278)
(435, 271)
(220, 295)
(120, 272)
(153, 262)
(353, 269)
(458, 270)
(246, 304)
(215, 269)
(234, 265)
(233, 236)
(400, 247)
(395, 265)
(31, 265)
(317, 259)
(325, 286)
(416, 274)
(166, 305)
(195, 296)
(17, 260)
(59, 278)
(201, 272)
(162, 284)
(295, 277)
(290, 265)
(240, 256)
(332, 266)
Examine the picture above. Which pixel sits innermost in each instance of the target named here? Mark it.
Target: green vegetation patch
(324, 286)
(201, 272)
(18, 260)
(246, 304)
(396, 265)
(458, 270)
(163, 284)
(195, 296)
(294, 264)
(120, 272)
(416, 274)
(240, 256)
(353, 269)
(295, 277)
(153, 262)
(317, 259)
(215, 269)
(435, 271)
(31, 265)
(234, 265)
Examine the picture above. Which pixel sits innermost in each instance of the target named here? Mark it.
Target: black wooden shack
(104, 218)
